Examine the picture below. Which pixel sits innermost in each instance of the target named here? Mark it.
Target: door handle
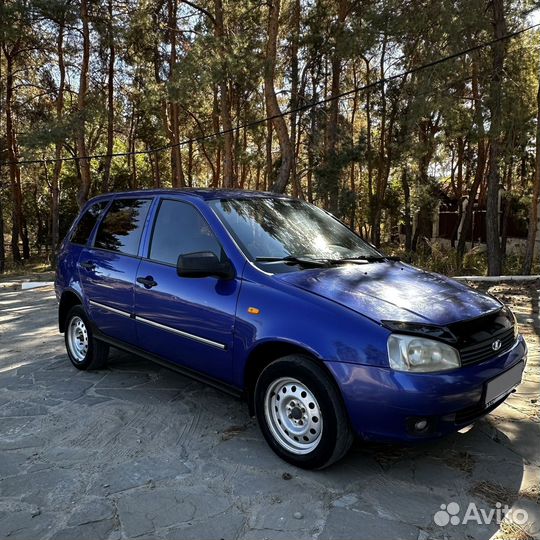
(88, 265)
(148, 282)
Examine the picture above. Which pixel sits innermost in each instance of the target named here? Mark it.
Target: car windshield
(270, 229)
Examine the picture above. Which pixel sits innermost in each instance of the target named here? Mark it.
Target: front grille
(474, 338)
(484, 350)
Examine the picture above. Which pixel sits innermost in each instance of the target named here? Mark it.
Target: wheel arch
(264, 354)
(68, 299)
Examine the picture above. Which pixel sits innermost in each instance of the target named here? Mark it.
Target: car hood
(394, 291)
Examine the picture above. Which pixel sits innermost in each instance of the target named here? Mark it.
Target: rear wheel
(301, 413)
(84, 351)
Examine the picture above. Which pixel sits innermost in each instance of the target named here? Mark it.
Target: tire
(301, 413)
(84, 351)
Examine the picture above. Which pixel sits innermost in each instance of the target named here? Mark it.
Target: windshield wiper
(372, 258)
(306, 262)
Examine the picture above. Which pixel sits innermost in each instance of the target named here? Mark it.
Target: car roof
(205, 194)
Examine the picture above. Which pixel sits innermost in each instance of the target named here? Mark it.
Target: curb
(498, 278)
(8, 286)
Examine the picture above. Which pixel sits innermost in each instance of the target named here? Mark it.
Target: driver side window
(179, 229)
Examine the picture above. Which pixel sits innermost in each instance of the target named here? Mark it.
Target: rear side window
(181, 229)
(122, 226)
(87, 222)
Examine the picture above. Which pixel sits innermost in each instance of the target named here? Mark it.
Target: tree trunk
(311, 139)
(236, 99)
(533, 212)
(216, 171)
(459, 181)
(295, 38)
(495, 91)
(272, 106)
(269, 169)
(224, 99)
(353, 169)
(131, 157)
(178, 180)
(427, 129)
(24, 232)
(190, 164)
(55, 182)
(378, 202)
(244, 165)
(2, 246)
(468, 217)
(480, 162)
(80, 138)
(369, 147)
(333, 109)
(110, 99)
(14, 171)
(407, 217)
(506, 204)
(169, 118)
(258, 177)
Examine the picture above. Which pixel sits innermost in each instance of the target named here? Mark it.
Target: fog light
(420, 425)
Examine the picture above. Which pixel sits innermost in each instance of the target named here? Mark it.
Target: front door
(188, 321)
(109, 267)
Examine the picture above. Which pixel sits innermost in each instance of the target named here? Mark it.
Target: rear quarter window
(121, 228)
(86, 224)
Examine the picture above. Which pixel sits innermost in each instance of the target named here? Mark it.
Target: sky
(534, 16)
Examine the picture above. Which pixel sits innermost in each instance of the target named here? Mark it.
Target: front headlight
(512, 316)
(412, 353)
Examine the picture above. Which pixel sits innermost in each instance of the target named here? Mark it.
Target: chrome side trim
(181, 333)
(109, 308)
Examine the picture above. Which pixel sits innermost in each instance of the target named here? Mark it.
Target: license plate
(503, 384)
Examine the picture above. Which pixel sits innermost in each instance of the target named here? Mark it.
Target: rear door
(108, 268)
(188, 321)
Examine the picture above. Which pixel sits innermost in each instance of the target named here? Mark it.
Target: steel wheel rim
(77, 335)
(293, 415)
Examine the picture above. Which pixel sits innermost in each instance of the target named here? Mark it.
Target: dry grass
(511, 531)
(463, 461)
(532, 493)
(494, 493)
(387, 455)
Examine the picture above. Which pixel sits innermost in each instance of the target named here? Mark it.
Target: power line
(287, 112)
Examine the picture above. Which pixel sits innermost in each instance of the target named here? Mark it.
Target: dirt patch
(493, 493)
(232, 431)
(461, 460)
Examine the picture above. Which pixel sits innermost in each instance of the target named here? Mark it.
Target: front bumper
(384, 404)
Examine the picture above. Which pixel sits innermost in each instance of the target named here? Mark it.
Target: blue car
(275, 300)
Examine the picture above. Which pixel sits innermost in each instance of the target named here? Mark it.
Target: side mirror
(204, 264)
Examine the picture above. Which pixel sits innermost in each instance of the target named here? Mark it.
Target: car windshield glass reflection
(272, 230)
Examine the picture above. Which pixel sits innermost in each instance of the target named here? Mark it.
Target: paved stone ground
(138, 451)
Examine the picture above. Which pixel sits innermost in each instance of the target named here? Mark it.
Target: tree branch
(201, 9)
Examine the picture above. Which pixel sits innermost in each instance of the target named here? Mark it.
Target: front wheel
(301, 413)
(84, 351)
